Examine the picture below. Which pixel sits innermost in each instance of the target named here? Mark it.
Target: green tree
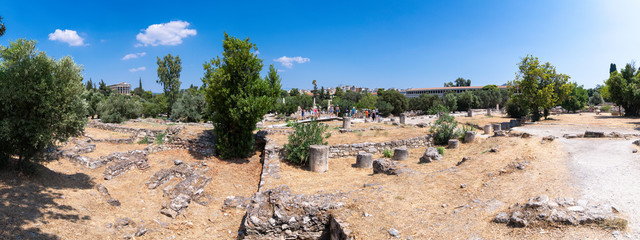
(169, 69)
(315, 90)
(338, 92)
(450, 101)
(396, 99)
(351, 96)
(467, 100)
(383, 107)
(2, 27)
(118, 108)
(104, 90)
(596, 99)
(322, 94)
(623, 89)
(294, 92)
(275, 85)
(424, 102)
(368, 101)
(237, 97)
(459, 82)
(139, 91)
(89, 85)
(612, 68)
(93, 98)
(577, 98)
(538, 86)
(188, 107)
(40, 101)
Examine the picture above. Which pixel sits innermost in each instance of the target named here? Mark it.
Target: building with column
(440, 91)
(121, 88)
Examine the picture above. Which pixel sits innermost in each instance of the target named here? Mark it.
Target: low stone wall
(270, 158)
(111, 140)
(137, 132)
(344, 150)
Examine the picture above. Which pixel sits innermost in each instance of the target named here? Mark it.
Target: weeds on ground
(614, 224)
(441, 150)
(305, 135)
(144, 140)
(160, 138)
(387, 153)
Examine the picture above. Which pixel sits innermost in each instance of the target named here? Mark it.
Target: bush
(441, 150)
(305, 135)
(605, 108)
(40, 102)
(188, 108)
(384, 108)
(119, 108)
(515, 110)
(144, 140)
(387, 153)
(444, 129)
(160, 138)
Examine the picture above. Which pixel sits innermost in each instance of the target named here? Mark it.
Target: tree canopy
(169, 69)
(624, 89)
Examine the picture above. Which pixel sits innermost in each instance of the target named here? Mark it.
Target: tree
(538, 86)
(612, 68)
(624, 89)
(322, 94)
(2, 27)
(338, 92)
(596, 99)
(89, 85)
(467, 100)
(351, 96)
(104, 90)
(274, 81)
(93, 98)
(169, 69)
(459, 82)
(119, 108)
(294, 92)
(139, 91)
(450, 101)
(188, 107)
(396, 99)
(577, 99)
(384, 108)
(368, 101)
(236, 96)
(424, 102)
(315, 89)
(40, 101)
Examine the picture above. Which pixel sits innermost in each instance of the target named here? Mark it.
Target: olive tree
(40, 101)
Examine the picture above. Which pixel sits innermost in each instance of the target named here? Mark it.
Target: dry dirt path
(604, 170)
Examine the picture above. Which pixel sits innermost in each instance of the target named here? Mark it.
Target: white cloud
(280, 70)
(170, 34)
(134, 55)
(288, 61)
(257, 52)
(137, 69)
(67, 36)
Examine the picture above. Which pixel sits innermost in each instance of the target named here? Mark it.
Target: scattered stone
(105, 194)
(501, 218)
(464, 159)
(549, 138)
(319, 158)
(386, 166)
(400, 153)
(496, 127)
(469, 136)
(430, 155)
(487, 129)
(122, 222)
(453, 143)
(499, 133)
(517, 220)
(637, 142)
(494, 149)
(463, 185)
(593, 134)
(177, 162)
(108, 225)
(366, 214)
(393, 232)
(236, 202)
(127, 161)
(364, 160)
(141, 231)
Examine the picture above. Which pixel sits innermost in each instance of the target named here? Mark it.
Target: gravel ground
(605, 170)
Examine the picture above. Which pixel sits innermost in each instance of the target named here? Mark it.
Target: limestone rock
(464, 159)
(469, 136)
(319, 158)
(400, 153)
(453, 143)
(430, 155)
(501, 218)
(386, 166)
(593, 134)
(364, 160)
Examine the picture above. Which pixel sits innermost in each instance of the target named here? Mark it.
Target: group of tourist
(337, 111)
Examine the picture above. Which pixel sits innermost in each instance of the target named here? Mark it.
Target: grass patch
(160, 138)
(441, 150)
(387, 153)
(614, 224)
(144, 140)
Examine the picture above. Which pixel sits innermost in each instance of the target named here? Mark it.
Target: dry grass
(62, 202)
(104, 134)
(589, 119)
(413, 203)
(103, 149)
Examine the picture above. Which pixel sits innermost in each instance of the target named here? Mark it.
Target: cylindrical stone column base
(319, 158)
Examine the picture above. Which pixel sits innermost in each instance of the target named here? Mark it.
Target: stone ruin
(105, 194)
(388, 167)
(279, 214)
(180, 195)
(430, 155)
(543, 210)
(125, 162)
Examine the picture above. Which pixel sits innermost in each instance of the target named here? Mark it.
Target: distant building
(121, 88)
(440, 91)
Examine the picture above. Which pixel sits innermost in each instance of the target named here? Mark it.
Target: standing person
(302, 113)
(373, 116)
(337, 111)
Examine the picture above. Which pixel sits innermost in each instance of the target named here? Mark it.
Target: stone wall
(344, 150)
(137, 132)
(270, 158)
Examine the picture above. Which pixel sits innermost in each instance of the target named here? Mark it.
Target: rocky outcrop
(279, 214)
(191, 188)
(430, 155)
(124, 162)
(105, 194)
(564, 211)
(388, 167)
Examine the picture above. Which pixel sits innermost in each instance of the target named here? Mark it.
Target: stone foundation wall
(137, 132)
(344, 150)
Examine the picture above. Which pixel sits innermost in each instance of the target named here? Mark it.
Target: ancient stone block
(505, 125)
(400, 153)
(430, 155)
(403, 118)
(364, 160)
(453, 143)
(386, 166)
(497, 127)
(469, 136)
(487, 129)
(319, 158)
(593, 134)
(346, 123)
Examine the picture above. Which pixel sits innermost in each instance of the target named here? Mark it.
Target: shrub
(119, 108)
(605, 108)
(40, 101)
(444, 129)
(160, 138)
(384, 108)
(188, 107)
(305, 135)
(387, 153)
(515, 110)
(441, 150)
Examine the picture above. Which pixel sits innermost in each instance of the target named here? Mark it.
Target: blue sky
(386, 44)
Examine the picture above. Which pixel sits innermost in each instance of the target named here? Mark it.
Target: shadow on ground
(28, 200)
